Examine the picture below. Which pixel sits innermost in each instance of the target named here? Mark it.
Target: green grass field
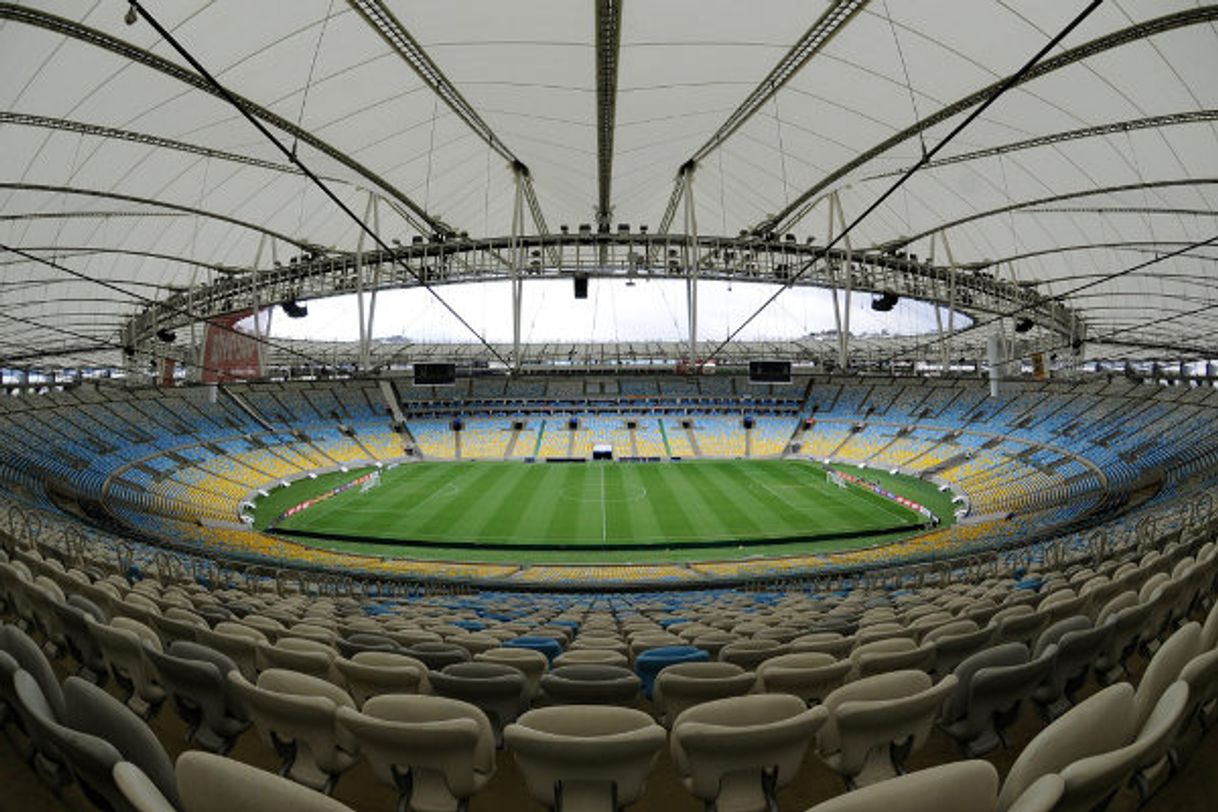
(505, 511)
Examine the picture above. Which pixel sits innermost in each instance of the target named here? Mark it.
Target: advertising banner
(228, 353)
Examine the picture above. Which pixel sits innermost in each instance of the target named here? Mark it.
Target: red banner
(168, 365)
(228, 354)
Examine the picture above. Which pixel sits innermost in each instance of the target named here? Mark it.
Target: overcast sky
(614, 311)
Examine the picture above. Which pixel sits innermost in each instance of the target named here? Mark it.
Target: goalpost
(835, 478)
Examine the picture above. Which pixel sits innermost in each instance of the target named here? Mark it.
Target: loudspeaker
(294, 310)
(748, 421)
(573, 423)
(631, 425)
(517, 425)
(458, 424)
(581, 286)
(687, 424)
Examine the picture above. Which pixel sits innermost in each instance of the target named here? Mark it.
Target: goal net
(835, 478)
(371, 482)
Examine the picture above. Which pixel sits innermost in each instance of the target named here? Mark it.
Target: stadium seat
(955, 642)
(1102, 723)
(373, 673)
(27, 656)
(122, 643)
(680, 686)
(530, 662)
(584, 757)
(437, 655)
(650, 662)
(137, 790)
(435, 751)
(298, 654)
(501, 691)
(196, 679)
(810, 676)
(891, 654)
(1164, 669)
(737, 753)
(748, 654)
(591, 684)
(876, 722)
(211, 783)
(103, 732)
(41, 724)
(295, 715)
(577, 656)
(990, 689)
(1078, 644)
(79, 640)
(1092, 780)
(963, 786)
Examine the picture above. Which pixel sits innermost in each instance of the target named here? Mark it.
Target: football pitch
(598, 511)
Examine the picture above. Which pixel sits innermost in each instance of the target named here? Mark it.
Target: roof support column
(360, 269)
(841, 310)
(257, 297)
(692, 264)
(517, 264)
(608, 51)
(376, 276)
(945, 337)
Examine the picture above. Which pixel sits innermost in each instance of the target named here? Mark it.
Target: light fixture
(130, 17)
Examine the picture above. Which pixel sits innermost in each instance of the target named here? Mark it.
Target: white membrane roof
(124, 174)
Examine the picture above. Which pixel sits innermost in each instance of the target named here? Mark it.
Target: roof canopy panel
(124, 166)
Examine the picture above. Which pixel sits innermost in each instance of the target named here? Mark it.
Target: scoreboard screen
(769, 371)
(435, 374)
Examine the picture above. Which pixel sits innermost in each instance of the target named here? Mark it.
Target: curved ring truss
(613, 256)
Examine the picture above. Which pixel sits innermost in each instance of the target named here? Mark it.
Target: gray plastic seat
(237, 642)
(1127, 623)
(808, 675)
(436, 751)
(1078, 645)
(373, 673)
(29, 657)
(500, 691)
(875, 723)
(528, 661)
(137, 790)
(955, 642)
(991, 689)
(591, 657)
(296, 715)
(735, 754)
(79, 640)
(437, 655)
(748, 654)
(892, 654)
(300, 654)
(579, 758)
(591, 685)
(1102, 723)
(42, 726)
(196, 679)
(122, 643)
(1091, 781)
(683, 685)
(211, 783)
(963, 786)
(103, 732)
(1201, 674)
